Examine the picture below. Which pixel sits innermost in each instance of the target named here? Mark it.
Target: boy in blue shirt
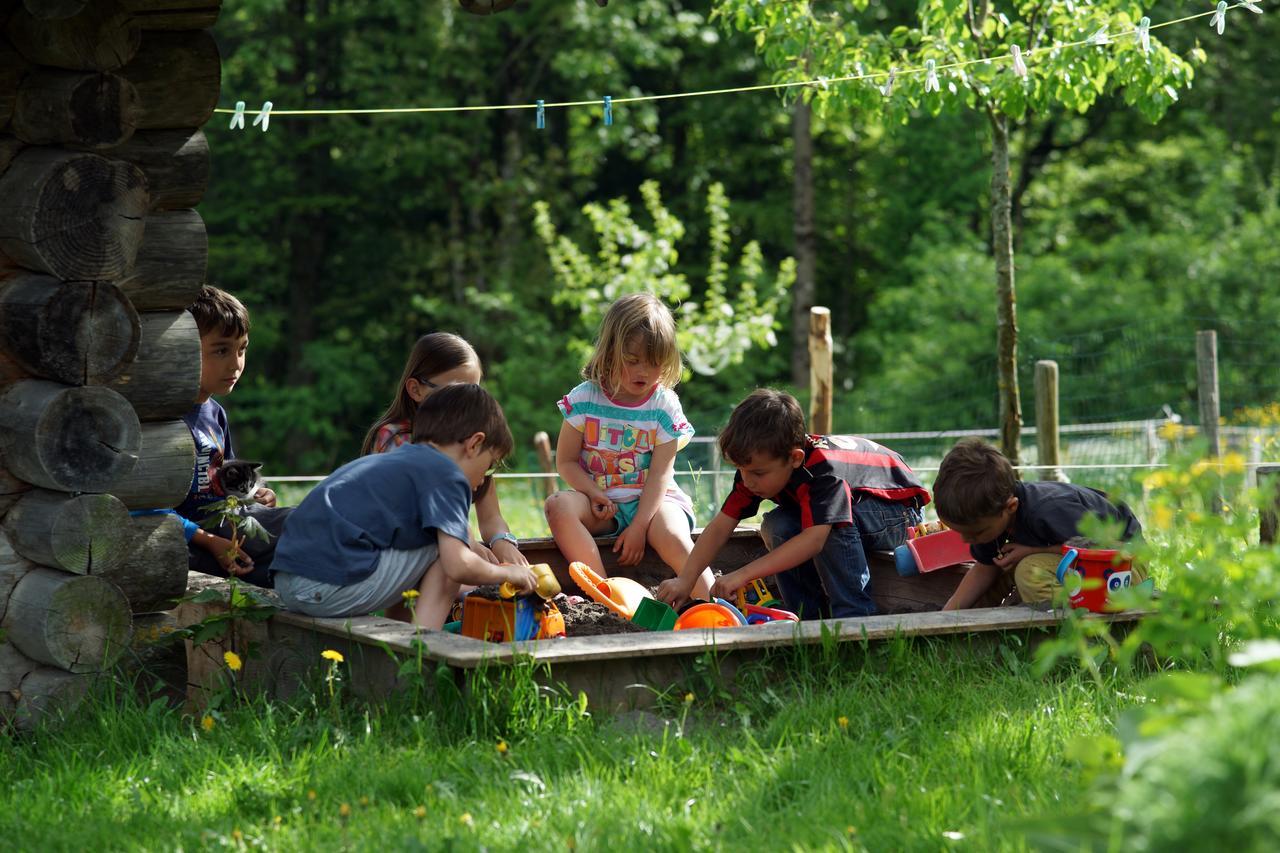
(1015, 530)
(391, 522)
(223, 322)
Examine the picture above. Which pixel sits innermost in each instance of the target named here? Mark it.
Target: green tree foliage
(714, 332)
(966, 46)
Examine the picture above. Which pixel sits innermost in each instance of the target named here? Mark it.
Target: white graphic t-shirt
(618, 439)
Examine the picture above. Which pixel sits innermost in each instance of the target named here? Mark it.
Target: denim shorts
(396, 572)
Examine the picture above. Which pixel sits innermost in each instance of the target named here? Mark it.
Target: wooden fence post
(1047, 442)
(820, 371)
(1207, 387)
(1207, 391)
(542, 444)
(1268, 477)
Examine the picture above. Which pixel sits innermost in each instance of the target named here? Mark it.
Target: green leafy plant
(715, 330)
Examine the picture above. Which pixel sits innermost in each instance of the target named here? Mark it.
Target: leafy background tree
(349, 236)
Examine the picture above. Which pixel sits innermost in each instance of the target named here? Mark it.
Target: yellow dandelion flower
(333, 655)
(344, 810)
(277, 820)
(237, 835)
(207, 723)
(233, 661)
(842, 722)
(1233, 463)
(311, 795)
(1200, 467)
(466, 819)
(364, 801)
(420, 812)
(502, 747)
(850, 830)
(409, 594)
(1156, 480)
(688, 698)
(1170, 431)
(1162, 517)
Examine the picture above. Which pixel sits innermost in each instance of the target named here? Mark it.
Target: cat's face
(239, 478)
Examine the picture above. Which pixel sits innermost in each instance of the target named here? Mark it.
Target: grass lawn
(924, 745)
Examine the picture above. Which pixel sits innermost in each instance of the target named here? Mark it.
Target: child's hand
(521, 577)
(507, 552)
(234, 562)
(630, 545)
(674, 591)
(480, 550)
(727, 586)
(1012, 554)
(602, 509)
(265, 496)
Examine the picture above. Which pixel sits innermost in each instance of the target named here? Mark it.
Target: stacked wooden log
(101, 161)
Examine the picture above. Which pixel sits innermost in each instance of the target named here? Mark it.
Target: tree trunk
(175, 14)
(73, 108)
(172, 262)
(153, 572)
(13, 567)
(68, 439)
(78, 217)
(101, 37)
(802, 292)
(82, 534)
(75, 622)
(1006, 301)
(75, 332)
(12, 69)
(52, 10)
(11, 490)
(176, 163)
(164, 380)
(178, 77)
(31, 693)
(166, 462)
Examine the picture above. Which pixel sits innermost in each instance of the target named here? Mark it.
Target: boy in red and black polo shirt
(837, 496)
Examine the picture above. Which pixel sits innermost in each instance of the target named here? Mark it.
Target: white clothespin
(1144, 34)
(887, 88)
(822, 81)
(540, 118)
(264, 116)
(237, 119)
(1019, 67)
(1251, 6)
(1219, 19)
(1100, 37)
(931, 77)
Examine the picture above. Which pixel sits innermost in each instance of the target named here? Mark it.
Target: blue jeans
(835, 583)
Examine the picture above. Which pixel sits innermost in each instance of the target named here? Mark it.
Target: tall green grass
(925, 745)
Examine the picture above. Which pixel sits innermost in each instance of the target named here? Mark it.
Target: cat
(237, 478)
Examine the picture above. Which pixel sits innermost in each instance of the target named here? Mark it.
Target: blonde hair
(639, 317)
(433, 354)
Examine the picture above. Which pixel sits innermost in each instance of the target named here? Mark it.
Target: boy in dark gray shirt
(1014, 526)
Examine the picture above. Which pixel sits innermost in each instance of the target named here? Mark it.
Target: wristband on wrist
(502, 537)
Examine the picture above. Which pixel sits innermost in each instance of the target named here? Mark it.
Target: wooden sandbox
(617, 672)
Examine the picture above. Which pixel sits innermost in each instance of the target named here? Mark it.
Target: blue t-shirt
(398, 499)
(208, 424)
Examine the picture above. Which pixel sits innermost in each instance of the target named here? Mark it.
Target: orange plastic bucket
(1090, 575)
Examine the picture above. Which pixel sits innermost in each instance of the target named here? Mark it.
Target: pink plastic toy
(930, 553)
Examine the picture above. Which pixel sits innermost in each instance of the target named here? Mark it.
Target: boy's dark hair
(767, 421)
(974, 483)
(454, 413)
(218, 311)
